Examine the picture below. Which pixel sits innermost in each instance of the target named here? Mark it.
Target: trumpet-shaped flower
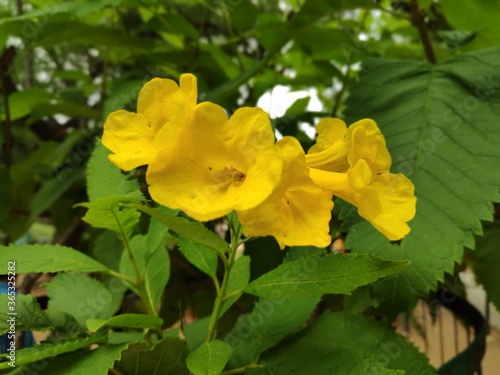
(386, 200)
(333, 143)
(217, 165)
(162, 110)
(296, 213)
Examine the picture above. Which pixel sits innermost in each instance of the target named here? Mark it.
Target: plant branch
(221, 292)
(144, 294)
(417, 17)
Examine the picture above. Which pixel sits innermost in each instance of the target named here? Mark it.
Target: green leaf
(440, 124)
(5, 193)
(238, 280)
(125, 321)
(456, 38)
(191, 230)
(318, 275)
(104, 179)
(209, 359)
(475, 16)
(269, 322)
(487, 259)
(29, 315)
(47, 350)
(169, 355)
(243, 14)
(152, 261)
(53, 189)
(84, 362)
(80, 296)
(47, 258)
(108, 214)
(21, 103)
(366, 346)
(200, 256)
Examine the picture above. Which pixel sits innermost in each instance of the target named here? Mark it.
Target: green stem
(122, 277)
(145, 296)
(239, 370)
(221, 293)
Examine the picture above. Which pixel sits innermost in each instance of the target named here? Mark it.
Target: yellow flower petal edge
(329, 153)
(162, 108)
(298, 212)
(218, 165)
(386, 200)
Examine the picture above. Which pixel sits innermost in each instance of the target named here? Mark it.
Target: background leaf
(83, 362)
(47, 258)
(80, 296)
(169, 355)
(365, 347)
(268, 323)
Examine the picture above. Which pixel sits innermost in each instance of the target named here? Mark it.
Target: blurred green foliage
(67, 64)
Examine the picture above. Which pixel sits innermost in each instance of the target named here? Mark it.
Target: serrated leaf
(47, 350)
(84, 362)
(191, 230)
(47, 258)
(317, 359)
(440, 124)
(28, 316)
(106, 213)
(268, 323)
(80, 296)
(209, 359)
(366, 346)
(104, 179)
(318, 275)
(125, 321)
(169, 355)
(238, 280)
(201, 257)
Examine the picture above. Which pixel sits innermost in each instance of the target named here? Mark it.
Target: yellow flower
(217, 165)
(386, 200)
(333, 143)
(162, 110)
(298, 212)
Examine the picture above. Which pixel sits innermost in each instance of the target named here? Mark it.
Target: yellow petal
(330, 151)
(162, 108)
(176, 111)
(217, 166)
(370, 146)
(130, 137)
(298, 212)
(335, 141)
(387, 201)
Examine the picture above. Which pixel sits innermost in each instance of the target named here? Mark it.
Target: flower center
(233, 174)
(229, 175)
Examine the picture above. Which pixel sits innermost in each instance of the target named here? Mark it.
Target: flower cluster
(207, 165)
